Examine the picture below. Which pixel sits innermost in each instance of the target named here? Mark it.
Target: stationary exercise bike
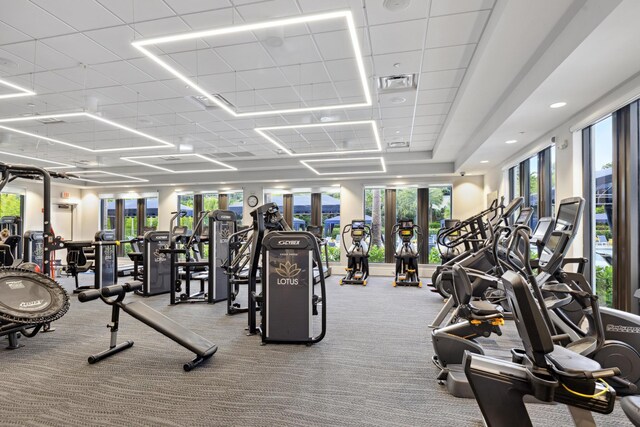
(357, 254)
(406, 255)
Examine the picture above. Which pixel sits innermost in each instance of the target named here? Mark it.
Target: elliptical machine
(406, 255)
(357, 254)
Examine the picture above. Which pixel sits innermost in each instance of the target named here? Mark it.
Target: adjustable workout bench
(188, 339)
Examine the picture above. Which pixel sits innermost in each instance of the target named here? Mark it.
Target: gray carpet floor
(373, 368)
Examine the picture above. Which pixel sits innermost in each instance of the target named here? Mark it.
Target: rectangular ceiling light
(20, 90)
(304, 19)
(56, 165)
(351, 161)
(141, 161)
(267, 133)
(109, 177)
(159, 143)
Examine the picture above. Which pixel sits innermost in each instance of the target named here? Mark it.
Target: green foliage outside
(9, 204)
(376, 254)
(604, 284)
(334, 253)
(604, 230)
(434, 256)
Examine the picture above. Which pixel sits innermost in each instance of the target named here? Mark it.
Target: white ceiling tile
(32, 20)
(440, 79)
(250, 57)
(448, 58)
(151, 68)
(447, 7)
(436, 96)
(153, 90)
(377, 14)
(88, 77)
(161, 27)
(117, 40)
(45, 56)
(139, 10)
(199, 62)
(307, 73)
(9, 34)
(81, 48)
(267, 10)
(397, 112)
(119, 94)
(123, 72)
(212, 19)
(294, 50)
(429, 120)
(335, 45)
(81, 15)
(191, 6)
(451, 30)
(433, 109)
(315, 6)
(398, 37)
(408, 63)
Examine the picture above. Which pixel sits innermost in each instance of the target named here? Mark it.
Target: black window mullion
(587, 190)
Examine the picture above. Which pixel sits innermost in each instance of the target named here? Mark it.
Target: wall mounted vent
(207, 104)
(397, 83)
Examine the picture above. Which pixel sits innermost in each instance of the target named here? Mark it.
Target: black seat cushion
(483, 308)
(571, 362)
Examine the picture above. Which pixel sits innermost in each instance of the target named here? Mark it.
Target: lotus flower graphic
(288, 270)
(225, 233)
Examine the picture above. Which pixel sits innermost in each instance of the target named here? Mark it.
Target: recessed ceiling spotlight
(398, 100)
(187, 87)
(558, 105)
(395, 5)
(398, 176)
(31, 104)
(397, 132)
(484, 161)
(511, 141)
(396, 65)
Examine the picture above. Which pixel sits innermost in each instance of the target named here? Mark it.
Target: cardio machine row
(571, 353)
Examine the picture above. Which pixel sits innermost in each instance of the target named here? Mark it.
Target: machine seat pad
(571, 362)
(133, 256)
(631, 407)
(167, 327)
(484, 308)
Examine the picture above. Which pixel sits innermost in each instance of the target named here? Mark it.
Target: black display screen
(541, 229)
(567, 216)
(357, 225)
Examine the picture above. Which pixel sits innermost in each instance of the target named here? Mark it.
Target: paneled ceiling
(201, 91)
(78, 57)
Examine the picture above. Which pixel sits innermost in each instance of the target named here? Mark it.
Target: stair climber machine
(30, 301)
(357, 253)
(406, 256)
(291, 268)
(476, 234)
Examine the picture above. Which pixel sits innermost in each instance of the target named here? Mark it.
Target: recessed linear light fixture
(484, 161)
(78, 176)
(511, 141)
(57, 165)
(304, 19)
(263, 132)
(139, 160)
(350, 159)
(23, 91)
(557, 105)
(161, 143)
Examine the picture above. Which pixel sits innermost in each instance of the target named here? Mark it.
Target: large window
(11, 204)
(439, 210)
(185, 203)
(210, 202)
(406, 207)
(601, 213)
(236, 204)
(553, 181)
(533, 189)
(301, 210)
(108, 214)
(514, 182)
(151, 212)
(374, 217)
(331, 223)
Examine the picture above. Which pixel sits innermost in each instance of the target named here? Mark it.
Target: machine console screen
(359, 225)
(567, 216)
(357, 232)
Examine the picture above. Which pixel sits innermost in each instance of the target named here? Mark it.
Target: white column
(167, 203)
(351, 207)
(250, 190)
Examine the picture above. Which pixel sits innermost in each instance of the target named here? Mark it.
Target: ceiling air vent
(50, 121)
(207, 104)
(398, 144)
(399, 82)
